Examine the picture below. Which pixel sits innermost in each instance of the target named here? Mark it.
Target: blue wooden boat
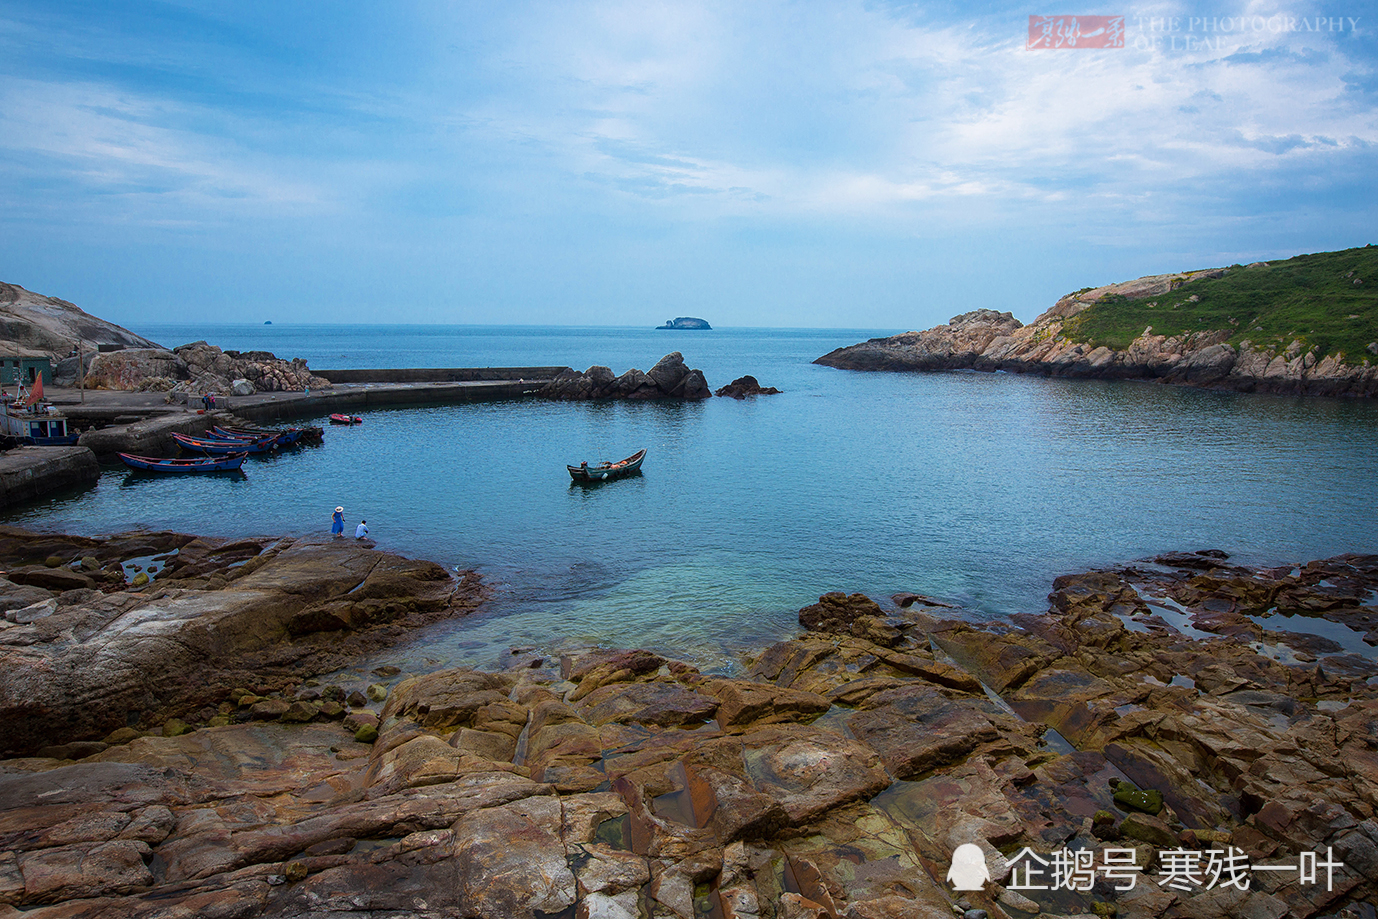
(222, 447)
(209, 464)
(214, 434)
(604, 472)
(285, 436)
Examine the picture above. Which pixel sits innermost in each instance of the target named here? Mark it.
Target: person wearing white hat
(337, 523)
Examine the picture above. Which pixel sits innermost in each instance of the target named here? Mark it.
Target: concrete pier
(143, 422)
(29, 472)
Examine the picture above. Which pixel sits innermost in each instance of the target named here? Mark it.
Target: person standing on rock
(337, 523)
(361, 531)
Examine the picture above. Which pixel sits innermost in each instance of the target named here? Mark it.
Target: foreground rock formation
(668, 379)
(989, 340)
(1154, 712)
(199, 368)
(89, 645)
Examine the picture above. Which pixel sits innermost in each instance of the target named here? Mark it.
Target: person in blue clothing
(361, 531)
(337, 522)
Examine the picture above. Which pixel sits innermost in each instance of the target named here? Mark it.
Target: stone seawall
(440, 374)
(28, 472)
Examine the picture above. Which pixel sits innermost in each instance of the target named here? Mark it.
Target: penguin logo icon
(968, 871)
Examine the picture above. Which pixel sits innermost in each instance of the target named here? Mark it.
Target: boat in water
(285, 436)
(209, 464)
(345, 419)
(604, 472)
(220, 446)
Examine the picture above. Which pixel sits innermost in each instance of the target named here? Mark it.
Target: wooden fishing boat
(285, 436)
(215, 435)
(209, 464)
(604, 472)
(345, 419)
(222, 447)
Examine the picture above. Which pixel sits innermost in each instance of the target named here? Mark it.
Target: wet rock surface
(1154, 711)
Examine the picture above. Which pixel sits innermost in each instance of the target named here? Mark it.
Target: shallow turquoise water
(980, 488)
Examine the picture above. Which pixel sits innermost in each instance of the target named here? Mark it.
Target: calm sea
(979, 488)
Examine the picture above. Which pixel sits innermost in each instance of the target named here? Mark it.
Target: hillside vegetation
(1328, 300)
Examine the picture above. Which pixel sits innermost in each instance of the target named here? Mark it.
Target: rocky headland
(1182, 705)
(1209, 328)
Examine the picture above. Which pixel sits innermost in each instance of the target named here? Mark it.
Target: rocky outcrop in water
(988, 340)
(686, 322)
(48, 324)
(745, 386)
(668, 379)
(1154, 712)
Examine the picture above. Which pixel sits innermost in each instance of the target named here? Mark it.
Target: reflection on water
(979, 488)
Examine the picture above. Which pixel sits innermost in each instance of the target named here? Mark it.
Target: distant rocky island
(1306, 325)
(685, 322)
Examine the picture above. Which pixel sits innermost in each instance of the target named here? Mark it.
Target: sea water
(975, 488)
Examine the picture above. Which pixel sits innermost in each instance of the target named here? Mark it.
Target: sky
(837, 164)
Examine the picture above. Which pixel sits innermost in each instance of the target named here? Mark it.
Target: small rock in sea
(52, 561)
(975, 914)
(295, 871)
(386, 671)
(366, 734)
(333, 693)
(140, 579)
(377, 692)
(356, 699)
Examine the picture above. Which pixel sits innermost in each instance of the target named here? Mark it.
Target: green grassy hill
(1329, 300)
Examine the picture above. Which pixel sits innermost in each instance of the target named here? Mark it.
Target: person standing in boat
(337, 523)
(361, 531)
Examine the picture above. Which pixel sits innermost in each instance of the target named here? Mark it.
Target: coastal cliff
(1307, 325)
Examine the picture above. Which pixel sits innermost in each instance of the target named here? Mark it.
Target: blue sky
(832, 164)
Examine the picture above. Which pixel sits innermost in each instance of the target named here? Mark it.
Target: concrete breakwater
(1152, 712)
(30, 472)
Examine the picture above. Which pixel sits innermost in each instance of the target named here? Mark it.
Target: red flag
(37, 392)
